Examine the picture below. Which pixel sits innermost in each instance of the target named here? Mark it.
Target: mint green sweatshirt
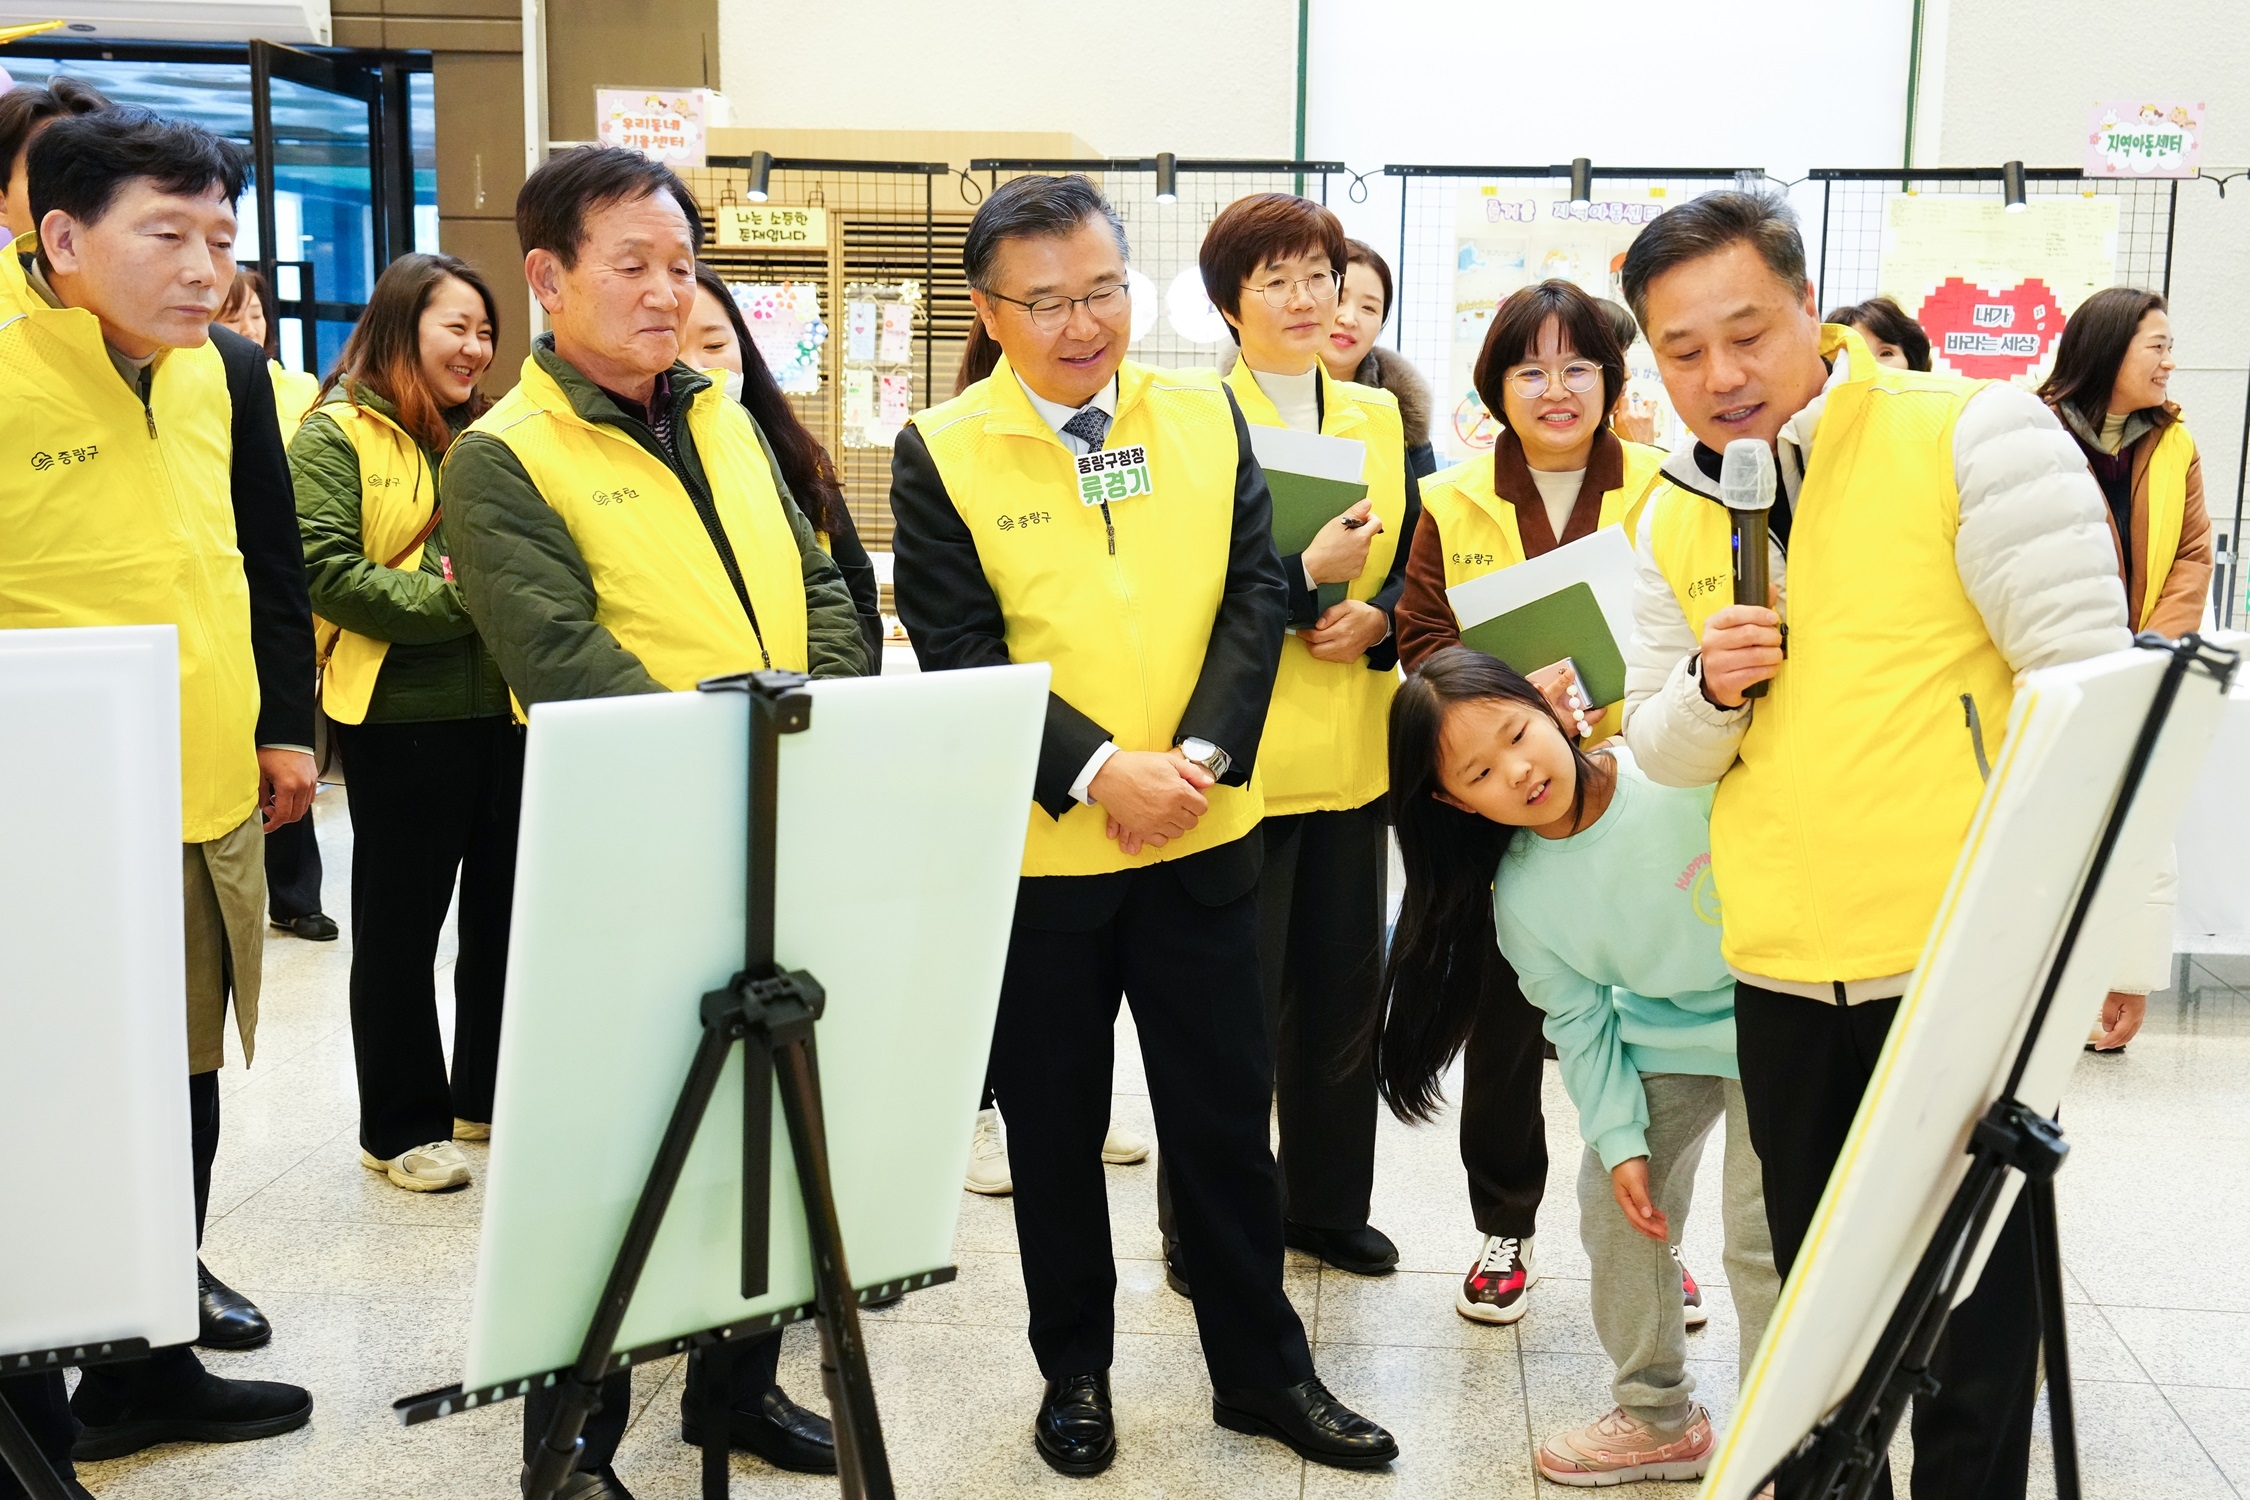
(1614, 933)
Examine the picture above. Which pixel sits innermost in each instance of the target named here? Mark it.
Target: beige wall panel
(649, 44)
(479, 133)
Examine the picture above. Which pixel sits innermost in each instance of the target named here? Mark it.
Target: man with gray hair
(1940, 536)
(1109, 519)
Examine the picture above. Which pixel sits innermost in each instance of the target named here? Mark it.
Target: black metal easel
(1842, 1456)
(19, 1455)
(771, 1011)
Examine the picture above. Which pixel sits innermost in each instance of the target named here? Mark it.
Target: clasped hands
(1149, 797)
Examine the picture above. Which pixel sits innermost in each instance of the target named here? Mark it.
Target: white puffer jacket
(2035, 555)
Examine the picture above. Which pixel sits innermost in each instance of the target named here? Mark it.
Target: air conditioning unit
(300, 21)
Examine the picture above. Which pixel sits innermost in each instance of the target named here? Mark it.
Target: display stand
(1844, 1454)
(19, 1455)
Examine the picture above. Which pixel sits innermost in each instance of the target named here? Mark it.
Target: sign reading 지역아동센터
(2143, 138)
(773, 225)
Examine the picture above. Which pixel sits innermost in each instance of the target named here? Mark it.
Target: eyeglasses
(1577, 377)
(1052, 312)
(1280, 292)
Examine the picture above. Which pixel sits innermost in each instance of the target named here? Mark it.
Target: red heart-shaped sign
(1991, 335)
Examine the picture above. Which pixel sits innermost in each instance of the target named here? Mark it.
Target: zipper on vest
(148, 410)
(1110, 527)
(1976, 735)
(707, 511)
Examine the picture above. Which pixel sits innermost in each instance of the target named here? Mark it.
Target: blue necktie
(1089, 424)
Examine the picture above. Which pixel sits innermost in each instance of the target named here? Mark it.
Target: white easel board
(2213, 914)
(99, 1236)
(900, 842)
(1966, 1009)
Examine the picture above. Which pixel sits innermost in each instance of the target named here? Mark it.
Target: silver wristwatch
(1207, 755)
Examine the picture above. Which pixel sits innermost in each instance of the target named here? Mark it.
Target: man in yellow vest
(116, 508)
(618, 526)
(1939, 536)
(1109, 519)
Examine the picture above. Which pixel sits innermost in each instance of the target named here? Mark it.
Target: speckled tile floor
(368, 1288)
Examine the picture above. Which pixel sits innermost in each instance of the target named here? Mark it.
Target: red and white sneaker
(1691, 1295)
(1621, 1448)
(1494, 1290)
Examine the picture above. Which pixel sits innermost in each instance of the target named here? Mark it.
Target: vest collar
(1010, 410)
(1338, 417)
(559, 387)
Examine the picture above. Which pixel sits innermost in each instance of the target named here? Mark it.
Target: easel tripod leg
(21, 1455)
(2055, 1353)
(861, 1464)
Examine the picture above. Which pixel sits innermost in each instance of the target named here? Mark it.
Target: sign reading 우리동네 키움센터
(2142, 138)
(773, 225)
(665, 125)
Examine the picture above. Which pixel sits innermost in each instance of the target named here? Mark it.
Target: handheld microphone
(1746, 479)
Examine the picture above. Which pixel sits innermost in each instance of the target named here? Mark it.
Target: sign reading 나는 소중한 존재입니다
(665, 125)
(2144, 138)
(773, 224)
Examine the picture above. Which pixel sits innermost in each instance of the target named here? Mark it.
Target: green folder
(1567, 623)
(1313, 480)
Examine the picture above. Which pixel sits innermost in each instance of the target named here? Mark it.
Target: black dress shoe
(780, 1431)
(1173, 1278)
(313, 926)
(205, 1410)
(1308, 1419)
(594, 1484)
(1074, 1430)
(229, 1320)
(1365, 1251)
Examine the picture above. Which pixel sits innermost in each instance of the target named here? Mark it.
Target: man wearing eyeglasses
(1109, 519)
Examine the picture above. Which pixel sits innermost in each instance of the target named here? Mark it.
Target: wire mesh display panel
(1467, 236)
(1173, 322)
(1855, 204)
(886, 246)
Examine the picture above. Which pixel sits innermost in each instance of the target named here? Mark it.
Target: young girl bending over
(1609, 918)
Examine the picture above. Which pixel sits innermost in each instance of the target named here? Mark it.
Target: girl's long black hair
(1445, 958)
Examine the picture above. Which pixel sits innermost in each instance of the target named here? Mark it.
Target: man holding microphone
(1109, 519)
(1939, 537)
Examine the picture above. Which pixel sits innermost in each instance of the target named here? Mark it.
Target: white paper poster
(664, 125)
(786, 325)
(859, 333)
(897, 343)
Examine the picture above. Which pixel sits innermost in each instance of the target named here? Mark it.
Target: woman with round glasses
(1271, 264)
(1551, 371)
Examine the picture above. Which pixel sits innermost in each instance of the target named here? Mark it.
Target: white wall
(2009, 80)
(1194, 77)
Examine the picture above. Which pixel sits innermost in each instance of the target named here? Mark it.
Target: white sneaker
(988, 1158)
(471, 1130)
(435, 1168)
(1124, 1146)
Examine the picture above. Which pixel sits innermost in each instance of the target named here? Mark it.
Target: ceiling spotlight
(2011, 187)
(1167, 177)
(761, 170)
(1581, 180)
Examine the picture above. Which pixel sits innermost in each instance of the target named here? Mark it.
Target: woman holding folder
(1551, 371)
(1345, 503)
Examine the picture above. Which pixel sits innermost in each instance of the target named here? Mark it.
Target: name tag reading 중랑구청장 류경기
(1113, 474)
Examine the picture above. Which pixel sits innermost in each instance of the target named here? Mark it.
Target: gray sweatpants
(1636, 1288)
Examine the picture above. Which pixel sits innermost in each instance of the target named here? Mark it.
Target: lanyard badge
(1113, 474)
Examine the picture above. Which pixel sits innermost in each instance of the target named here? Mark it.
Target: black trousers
(1503, 1130)
(749, 1370)
(429, 801)
(1805, 1065)
(293, 870)
(1190, 972)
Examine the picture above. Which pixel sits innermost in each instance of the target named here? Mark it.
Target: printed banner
(2141, 139)
(773, 224)
(1991, 287)
(664, 125)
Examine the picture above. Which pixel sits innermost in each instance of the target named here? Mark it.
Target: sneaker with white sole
(1691, 1295)
(471, 1130)
(436, 1168)
(1124, 1146)
(1493, 1291)
(1621, 1448)
(988, 1158)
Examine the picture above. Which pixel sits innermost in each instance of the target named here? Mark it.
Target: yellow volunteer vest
(1833, 836)
(1326, 745)
(111, 516)
(658, 583)
(1125, 634)
(2167, 510)
(293, 396)
(397, 492)
(1482, 535)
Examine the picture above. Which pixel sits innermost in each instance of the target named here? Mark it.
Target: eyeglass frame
(1289, 285)
(1548, 380)
(1029, 308)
